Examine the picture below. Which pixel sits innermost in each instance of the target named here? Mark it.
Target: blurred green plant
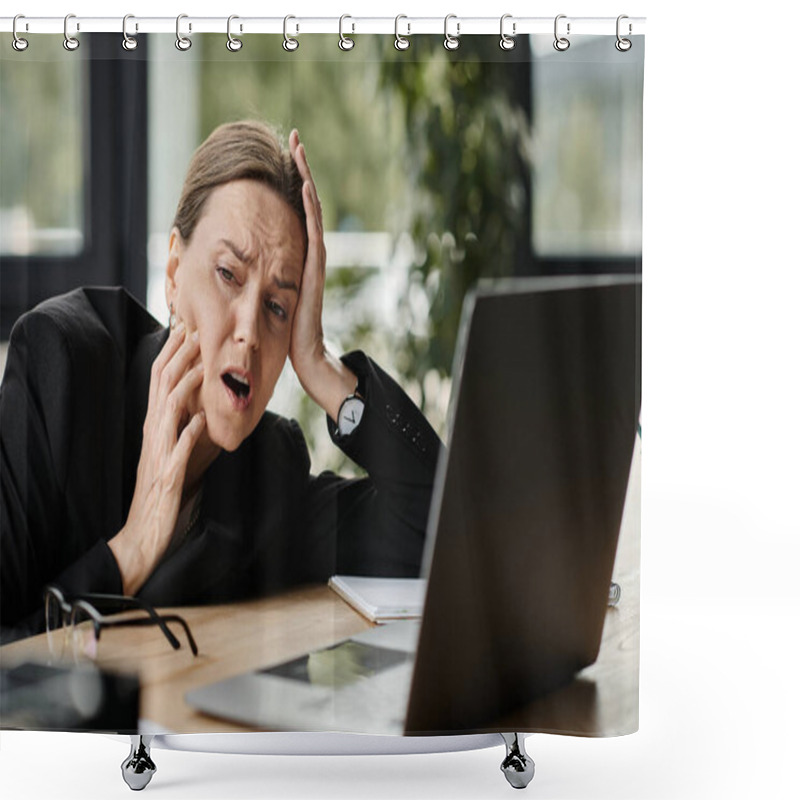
(467, 159)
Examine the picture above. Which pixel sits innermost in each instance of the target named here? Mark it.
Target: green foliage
(467, 159)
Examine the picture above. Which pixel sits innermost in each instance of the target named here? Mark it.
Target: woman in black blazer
(140, 460)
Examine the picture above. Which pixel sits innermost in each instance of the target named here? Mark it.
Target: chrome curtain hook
(70, 42)
(451, 42)
(128, 42)
(183, 43)
(290, 44)
(18, 43)
(507, 42)
(400, 42)
(345, 42)
(561, 43)
(233, 44)
(623, 45)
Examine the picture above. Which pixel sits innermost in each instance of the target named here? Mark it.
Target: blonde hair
(236, 151)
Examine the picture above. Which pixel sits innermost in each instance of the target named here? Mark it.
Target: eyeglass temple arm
(139, 621)
(182, 622)
(134, 602)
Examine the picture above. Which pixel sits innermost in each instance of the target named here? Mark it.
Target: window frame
(545, 264)
(114, 148)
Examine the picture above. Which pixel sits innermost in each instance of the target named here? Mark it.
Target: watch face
(350, 415)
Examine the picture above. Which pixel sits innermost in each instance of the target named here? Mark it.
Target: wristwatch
(350, 412)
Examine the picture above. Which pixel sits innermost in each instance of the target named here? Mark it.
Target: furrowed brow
(239, 253)
(287, 285)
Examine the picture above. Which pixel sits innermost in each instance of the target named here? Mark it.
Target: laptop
(522, 533)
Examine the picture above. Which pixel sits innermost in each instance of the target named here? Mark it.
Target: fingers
(312, 207)
(302, 164)
(298, 152)
(307, 327)
(174, 341)
(168, 372)
(178, 399)
(313, 214)
(186, 442)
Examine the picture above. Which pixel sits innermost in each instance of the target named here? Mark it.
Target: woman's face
(237, 281)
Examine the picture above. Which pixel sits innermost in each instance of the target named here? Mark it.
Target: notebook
(381, 599)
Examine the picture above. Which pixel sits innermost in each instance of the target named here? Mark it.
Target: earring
(172, 318)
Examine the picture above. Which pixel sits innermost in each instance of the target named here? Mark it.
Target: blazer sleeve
(35, 459)
(375, 525)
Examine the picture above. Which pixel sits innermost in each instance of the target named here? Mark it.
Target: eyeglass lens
(82, 632)
(55, 621)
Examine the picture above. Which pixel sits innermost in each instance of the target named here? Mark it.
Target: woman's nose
(247, 322)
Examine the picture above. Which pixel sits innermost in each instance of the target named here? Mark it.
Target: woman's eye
(277, 309)
(226, 274)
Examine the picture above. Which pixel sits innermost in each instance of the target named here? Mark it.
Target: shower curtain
(435, 169)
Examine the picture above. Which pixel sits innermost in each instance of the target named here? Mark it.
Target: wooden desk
(236, 638)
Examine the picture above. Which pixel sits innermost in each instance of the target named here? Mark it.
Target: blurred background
(435, 169)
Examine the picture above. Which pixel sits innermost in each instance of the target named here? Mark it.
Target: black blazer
(72, 406)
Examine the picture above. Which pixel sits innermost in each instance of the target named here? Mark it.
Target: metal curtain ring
(128, 42)
(183, 43)
(345, 42)
(561, 43)
(70, 42)
(18, 43)
(507, 42)
(290, 44)
(451, 42)
(233, 44)
(623, 45)
(400, 42)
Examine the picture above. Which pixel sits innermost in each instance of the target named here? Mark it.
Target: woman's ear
(173, 264)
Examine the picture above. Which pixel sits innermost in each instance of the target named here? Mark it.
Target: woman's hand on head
(169, 436)
(323, 376)
(307, 345)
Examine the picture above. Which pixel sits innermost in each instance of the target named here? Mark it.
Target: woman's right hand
(169, 436)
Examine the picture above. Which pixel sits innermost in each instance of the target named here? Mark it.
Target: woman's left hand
(323, 376)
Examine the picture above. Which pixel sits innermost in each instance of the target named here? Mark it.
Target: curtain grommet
(401, 42)
(507, 42)
(622, 44)
(290, 43)
(345, 42)
(561, 43)
(451, 42)
(129, 43)
(70, 42)
(17, 42)
(233, 44)
(183, 43)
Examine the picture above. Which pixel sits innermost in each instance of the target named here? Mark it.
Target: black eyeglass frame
(99, 621)
(117, 602)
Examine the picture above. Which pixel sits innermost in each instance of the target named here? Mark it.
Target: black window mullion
(115, 197)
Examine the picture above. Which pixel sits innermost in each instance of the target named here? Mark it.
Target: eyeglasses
(77, 622)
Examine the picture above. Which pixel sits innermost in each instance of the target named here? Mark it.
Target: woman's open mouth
(238, 388)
